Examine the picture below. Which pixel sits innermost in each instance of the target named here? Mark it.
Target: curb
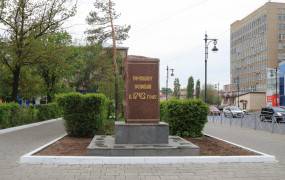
(17, 128)
(73, 160)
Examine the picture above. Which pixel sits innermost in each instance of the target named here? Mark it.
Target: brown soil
(70, 146)
(67, 146)
(212, 147)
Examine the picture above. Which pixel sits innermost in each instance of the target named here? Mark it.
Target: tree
(190, 87)
(176, 92)
(212, 95)
(197, 89)
(168, 90)
(26, 21)
(55, 61)
(104, 29)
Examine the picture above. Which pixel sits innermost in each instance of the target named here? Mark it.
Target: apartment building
(257, 46)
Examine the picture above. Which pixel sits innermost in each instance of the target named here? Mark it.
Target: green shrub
(185, 117)
(6, 114)
(24, 115)
(83, 114)
(11, 114)
(49, 111)
(163, 106)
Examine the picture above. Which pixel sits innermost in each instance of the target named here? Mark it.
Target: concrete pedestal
(141, 133)
(106, 146)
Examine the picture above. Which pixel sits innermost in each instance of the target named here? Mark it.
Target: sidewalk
(15, 144)
(273, 144)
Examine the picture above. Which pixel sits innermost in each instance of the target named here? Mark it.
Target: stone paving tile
(15, 144)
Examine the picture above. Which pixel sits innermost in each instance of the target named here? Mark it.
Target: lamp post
(207, 43)
(167, 76)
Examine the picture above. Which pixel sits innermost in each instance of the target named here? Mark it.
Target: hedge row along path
(15, 144)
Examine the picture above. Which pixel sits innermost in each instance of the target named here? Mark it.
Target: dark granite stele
(102, 145)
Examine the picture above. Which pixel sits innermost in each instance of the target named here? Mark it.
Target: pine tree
(176, 92)
(190, 87)
(198, 89)
(104, 29)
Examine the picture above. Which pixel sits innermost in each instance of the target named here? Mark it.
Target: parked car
(245, 111)
(233, 111)
(214, 111)
(268, 113)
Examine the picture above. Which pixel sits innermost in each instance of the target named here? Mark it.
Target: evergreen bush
(83, 114)
(185, 117)
(49, 111)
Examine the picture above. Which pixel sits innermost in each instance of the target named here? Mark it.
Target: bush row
(11, 114)
(83, 114)
(185, 117)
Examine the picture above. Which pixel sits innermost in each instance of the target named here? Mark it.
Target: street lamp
(215, 49)
(167, 75)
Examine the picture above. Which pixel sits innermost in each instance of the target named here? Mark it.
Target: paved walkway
(15, 144)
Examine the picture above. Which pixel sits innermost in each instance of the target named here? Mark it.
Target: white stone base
(30, 159)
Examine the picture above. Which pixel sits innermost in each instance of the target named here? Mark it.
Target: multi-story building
(257, 44)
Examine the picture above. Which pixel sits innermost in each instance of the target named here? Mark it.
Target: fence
(251, 121)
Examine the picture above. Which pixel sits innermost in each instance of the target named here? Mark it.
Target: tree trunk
(49, 96)
(16, 80)
(115, 66)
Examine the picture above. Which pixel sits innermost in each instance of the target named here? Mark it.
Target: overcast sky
(173, 31)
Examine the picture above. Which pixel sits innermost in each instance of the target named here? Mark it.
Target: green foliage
(6, 114)
(49, 111)
(163, 110)
(168, 90)
(56, 61)
(185, 117)
(190, 87)
(11, 114)
(100, 20)
(197, 89)
(212, 95)
(83, 114)
(25, 23)
(176, 92)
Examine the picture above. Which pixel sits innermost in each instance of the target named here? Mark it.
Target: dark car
(268, 113)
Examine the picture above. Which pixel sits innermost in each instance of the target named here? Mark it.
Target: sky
(173, 31)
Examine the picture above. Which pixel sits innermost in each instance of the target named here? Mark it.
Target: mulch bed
(213, 147)
(70, 146)
(67, 146)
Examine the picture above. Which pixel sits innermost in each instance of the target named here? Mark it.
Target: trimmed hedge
(11, 114)
(49, 111)
(185, 117)
(83, 114)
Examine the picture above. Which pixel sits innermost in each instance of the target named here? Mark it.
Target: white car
(233, 111)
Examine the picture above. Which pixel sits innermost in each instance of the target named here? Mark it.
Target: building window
(281, 17)
(281, 26)
(281, 37)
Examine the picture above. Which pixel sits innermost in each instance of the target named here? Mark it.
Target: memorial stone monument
(142, 133)
(142, 124)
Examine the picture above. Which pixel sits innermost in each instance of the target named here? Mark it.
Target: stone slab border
(17, 128)
(30, 159)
